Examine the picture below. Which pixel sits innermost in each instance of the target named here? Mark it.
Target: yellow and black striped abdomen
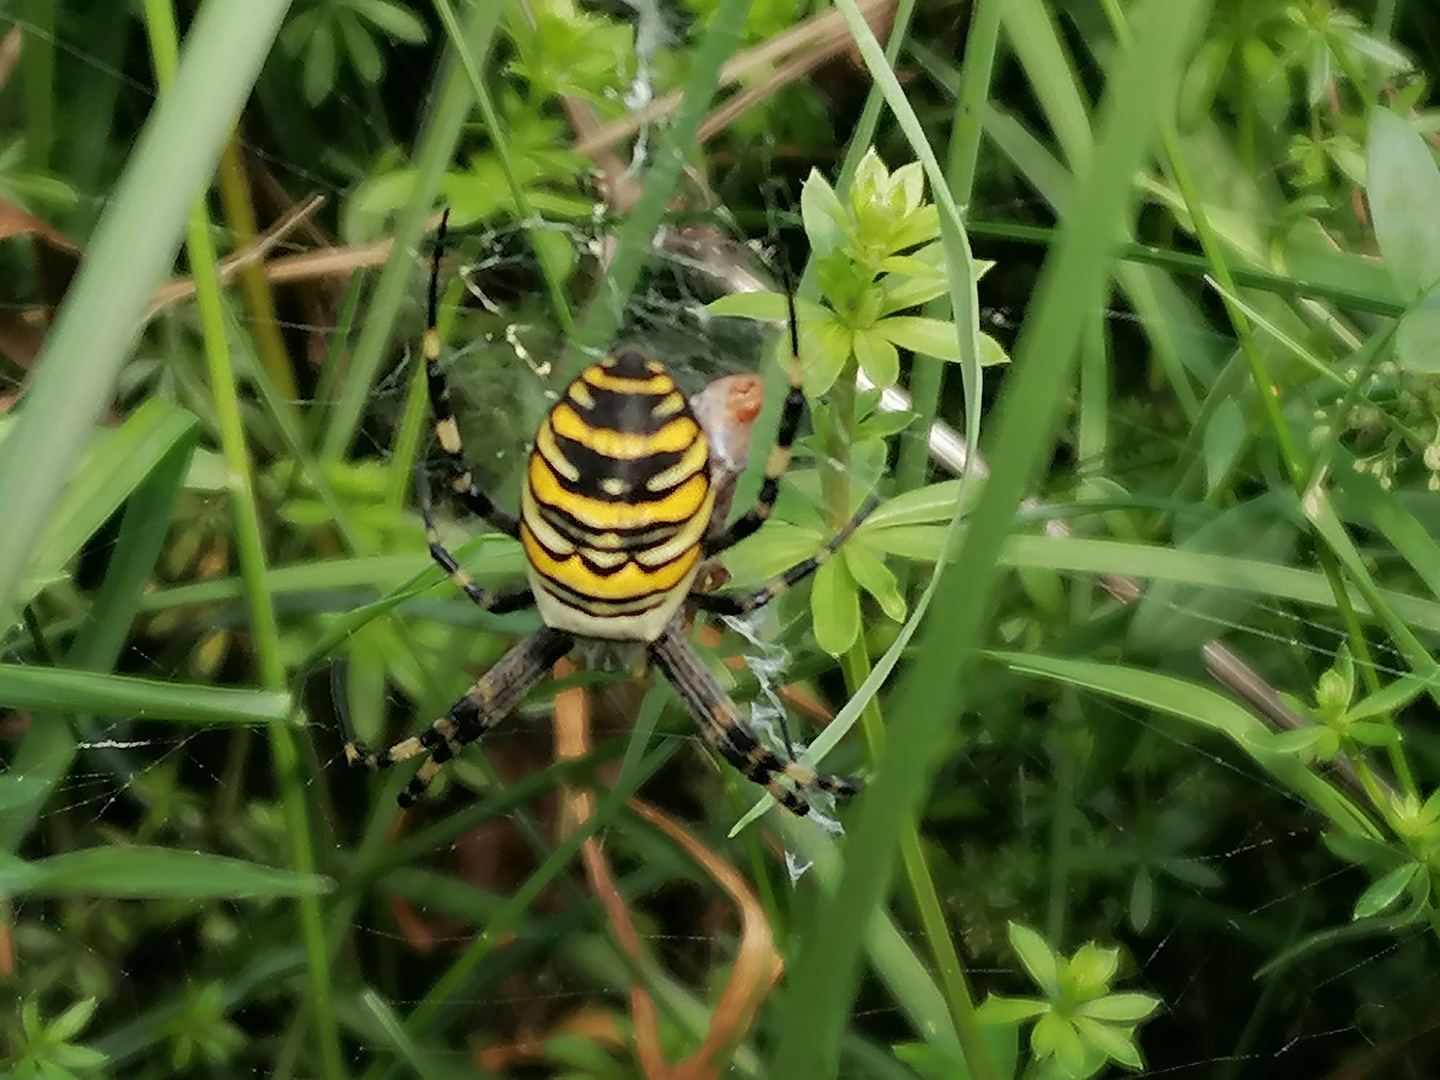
(617, 497)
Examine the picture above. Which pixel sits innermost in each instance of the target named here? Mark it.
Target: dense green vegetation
(1146, 700)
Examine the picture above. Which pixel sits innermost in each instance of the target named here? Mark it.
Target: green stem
(164, 46)
(834, 467)
(335, 357)
(38, 61)
(1182, 262)
(1062, 824)
(927, 375)
(264, 324)
(856, 664)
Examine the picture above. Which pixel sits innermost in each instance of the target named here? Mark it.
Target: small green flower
(45, 1049)
(1078, 1022)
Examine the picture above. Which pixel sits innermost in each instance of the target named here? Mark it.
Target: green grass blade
(23, 686)
(245, 515)
(133, 247)
(37, 60)
(1198, 704)
(1142, 88)
(1032, 33)
(48, 748)
(890, 953)
(116, 462)
(153, 873)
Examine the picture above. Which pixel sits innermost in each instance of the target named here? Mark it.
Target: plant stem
(926, 373)
(856, 664)
(265, 634)
(38, 60)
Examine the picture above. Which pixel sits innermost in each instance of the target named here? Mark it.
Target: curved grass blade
(1206, 708)
(1142, 86)
(133, 246)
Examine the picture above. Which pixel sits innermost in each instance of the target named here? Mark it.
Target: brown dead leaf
(757, 963)
(589, 1020)
(10, 46)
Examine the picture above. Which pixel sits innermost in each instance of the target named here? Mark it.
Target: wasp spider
(615, 521)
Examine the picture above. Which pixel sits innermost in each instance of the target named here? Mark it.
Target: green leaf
(1092, 967)
(922, 334)
(1299, 740)
(1386, 891)
(69, 690)
(882, 425)
(1056, 1037)
(80, 1058)
(1037, 957)
(908, 290)
(1127, 1008)
(750, 305)
(320, 63)
(1114, 1043)
(872, 575)
(360, 47)
(992, 353)
(1366, 851)
(1373, 733)
(1389, 699)
(298, 29)
(998, 1009)
(73, 1020)
(1142, 900)
(825, 347)
(1222, 441)
(1191, 872)
(877, 357)
(1403, 189)
(152, 873)
(835, 607)
(1417, 341)
(823, 214)
(395, 19)
(933, 504)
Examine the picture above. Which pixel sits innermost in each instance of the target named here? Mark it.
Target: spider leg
(493, 697)
(730, 734)
(739, 605)
(507, 600)
(779, 459)
(447, 433)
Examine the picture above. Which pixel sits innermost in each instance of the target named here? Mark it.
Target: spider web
(1237, 870)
